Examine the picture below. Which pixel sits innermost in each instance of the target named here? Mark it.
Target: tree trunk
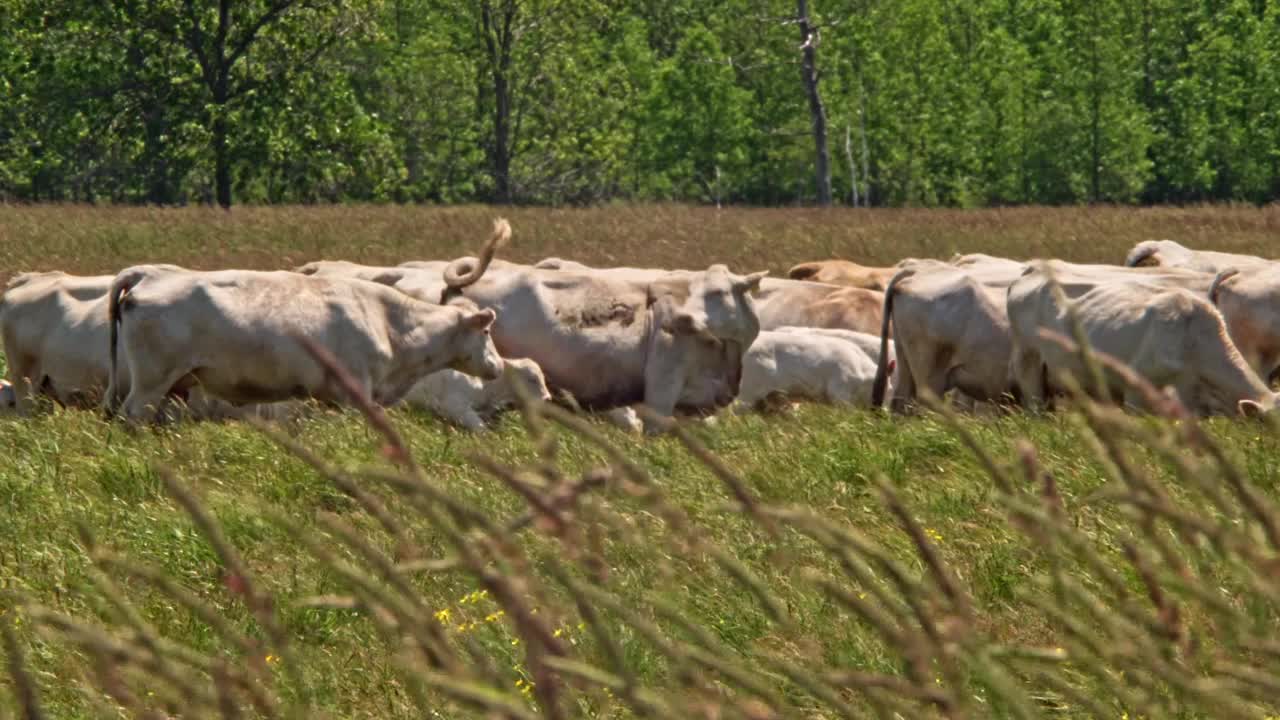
(809, 74)
(499, 40)
(502, 136)
(221, 152)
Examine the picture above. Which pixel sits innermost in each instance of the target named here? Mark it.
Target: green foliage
(578, 101)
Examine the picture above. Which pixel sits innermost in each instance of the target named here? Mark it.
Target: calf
(236, 333)
(806, 365)
(868, 343)
(470, 402)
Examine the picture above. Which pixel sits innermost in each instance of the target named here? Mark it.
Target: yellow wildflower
(272, 659)
(442, 615)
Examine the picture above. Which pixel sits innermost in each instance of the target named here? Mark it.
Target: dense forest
(858, 102)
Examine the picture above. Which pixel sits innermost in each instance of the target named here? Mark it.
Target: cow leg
(904, 390)
(23, 374)
(149, 392)
(1028, 371)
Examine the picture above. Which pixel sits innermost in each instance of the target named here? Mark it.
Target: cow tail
(882, 363)
(803, 271)
(123, 283)
(1217, 283)
(465, 271)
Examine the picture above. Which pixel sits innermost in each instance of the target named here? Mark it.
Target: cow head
(529, 374)
(713, 304)
(474, 351)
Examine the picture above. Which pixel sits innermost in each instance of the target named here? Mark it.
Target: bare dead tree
(809, 74)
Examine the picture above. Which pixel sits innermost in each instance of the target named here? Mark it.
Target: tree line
(857, 102)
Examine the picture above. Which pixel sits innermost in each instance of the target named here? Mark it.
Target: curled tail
(1218, 279)
(466, 271)
(882, 362)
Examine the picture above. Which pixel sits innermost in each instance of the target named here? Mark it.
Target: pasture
(704, 605)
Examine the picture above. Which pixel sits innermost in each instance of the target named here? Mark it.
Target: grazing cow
(812, 366)
(469, 401)
(1168, 335)
(615, 338)
(843, 272)
(1249, 300)
(1167, 254)
(235, 333)
(951, 331)
(1075, 280)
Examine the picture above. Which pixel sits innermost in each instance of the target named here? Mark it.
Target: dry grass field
(833, 563)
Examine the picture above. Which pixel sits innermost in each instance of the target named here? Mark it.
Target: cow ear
(751, 282)
(479, 320)
(1251, 409)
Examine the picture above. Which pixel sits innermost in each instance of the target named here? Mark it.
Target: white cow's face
(720, 305)
(710, 368)
(476, 354)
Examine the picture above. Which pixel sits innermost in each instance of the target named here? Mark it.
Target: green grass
(65, 470)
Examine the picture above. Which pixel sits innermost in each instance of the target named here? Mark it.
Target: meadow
(822, 563)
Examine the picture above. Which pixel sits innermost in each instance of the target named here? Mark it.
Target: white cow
(811, 366)
(1075, 280)
(950, 331)
(50, 323)
(1170, 336)
(868, 343)
(1249, 300)
(1167, 254)
(236, 333)
(616, 338)
(469, 401)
